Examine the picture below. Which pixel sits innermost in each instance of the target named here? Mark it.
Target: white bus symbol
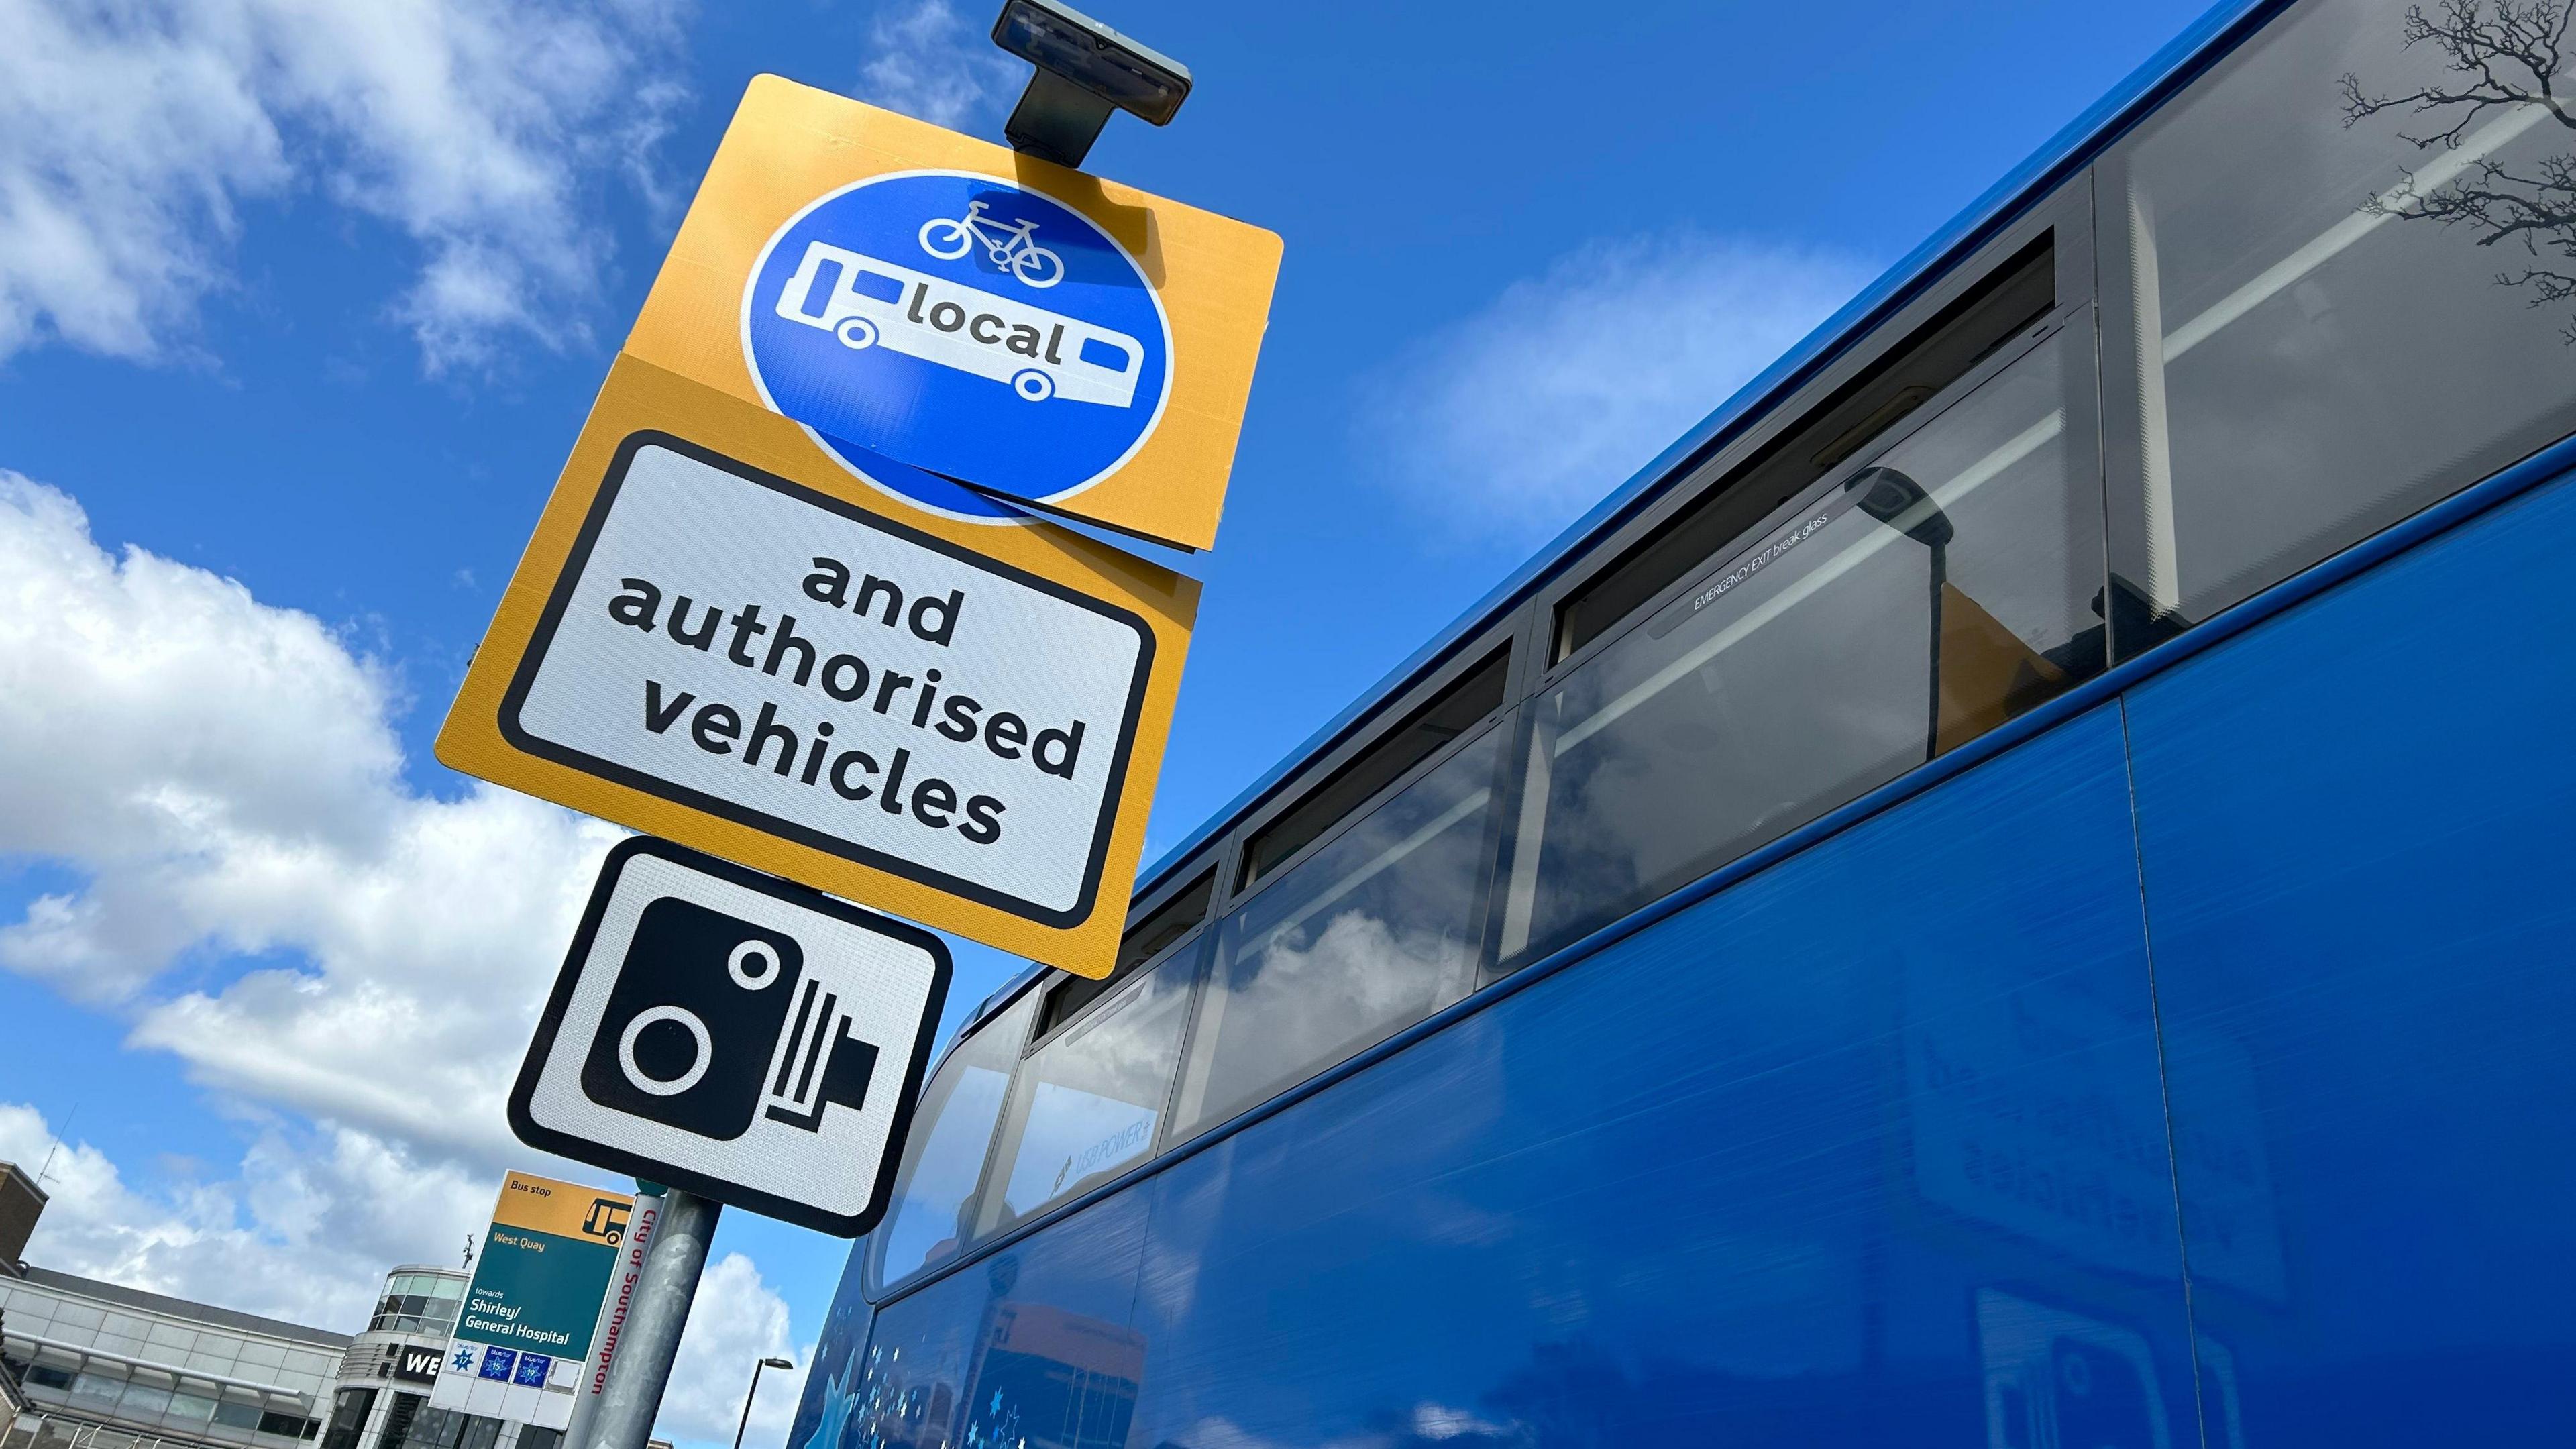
(1040, 354)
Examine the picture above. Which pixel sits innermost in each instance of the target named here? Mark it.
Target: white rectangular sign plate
(729, 640)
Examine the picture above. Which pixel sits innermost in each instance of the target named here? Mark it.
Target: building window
(292, 1426)
(398, 1419)
(144, 1401)
(98, 1390)
(448, 1429)
(349, 1409)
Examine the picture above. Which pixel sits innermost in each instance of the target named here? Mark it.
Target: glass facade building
(380, 1399)
(96, 1361)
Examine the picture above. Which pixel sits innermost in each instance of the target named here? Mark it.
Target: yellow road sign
(918, 299)
(721, 636)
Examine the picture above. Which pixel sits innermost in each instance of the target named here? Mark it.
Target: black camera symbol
(711, 1018)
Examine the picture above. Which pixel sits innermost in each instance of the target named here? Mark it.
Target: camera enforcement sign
(719, 636)
(931, 307)
(735, 1037)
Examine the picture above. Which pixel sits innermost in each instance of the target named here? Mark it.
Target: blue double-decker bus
(2016, 888)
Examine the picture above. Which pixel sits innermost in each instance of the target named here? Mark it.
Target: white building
(94, 1365)
(380, 1399)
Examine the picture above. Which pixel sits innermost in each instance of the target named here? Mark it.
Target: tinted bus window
(1990, 316)
(934, 1188)
(1144, 940)
(1088, 1103)
(1367, 935)
(1453, 712)
(2307, 346)
(1897, 610)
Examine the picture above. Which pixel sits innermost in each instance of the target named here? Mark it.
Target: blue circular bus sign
(962, 325)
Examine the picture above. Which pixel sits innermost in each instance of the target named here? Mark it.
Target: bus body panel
(1034, 1344)
(1751, 1162)
(1862, 1147)
(1740, 1178)
(2359, 827)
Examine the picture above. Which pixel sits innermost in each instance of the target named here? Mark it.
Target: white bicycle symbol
(1011, 244)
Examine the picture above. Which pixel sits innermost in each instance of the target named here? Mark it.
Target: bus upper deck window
(2313, 337)
(1906, 603)
(932, 1215)
(1144, 940)
(1988, 316)
(1451, 713)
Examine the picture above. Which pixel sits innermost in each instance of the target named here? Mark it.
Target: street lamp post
(767, 1363)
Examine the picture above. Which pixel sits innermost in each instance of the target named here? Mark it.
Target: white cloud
(938, 64)
(311, 1221)
(303, 1231)
(1514, 420)
(134, 133)
(737, 1320)
(224, 776)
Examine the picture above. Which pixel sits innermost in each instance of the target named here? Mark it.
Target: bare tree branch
(2505, 55)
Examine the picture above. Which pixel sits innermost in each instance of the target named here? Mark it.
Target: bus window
(934, 1188)
(1894, 611)
(1990, 315)
(1451, 713)
(1089, 1103)
(1370, 933)
(1143, 941)
(2303, 345)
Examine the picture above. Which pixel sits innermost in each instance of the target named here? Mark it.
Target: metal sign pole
(642, 1367)
(614, 1311)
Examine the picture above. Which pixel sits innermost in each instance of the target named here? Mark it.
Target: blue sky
(301, 306)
